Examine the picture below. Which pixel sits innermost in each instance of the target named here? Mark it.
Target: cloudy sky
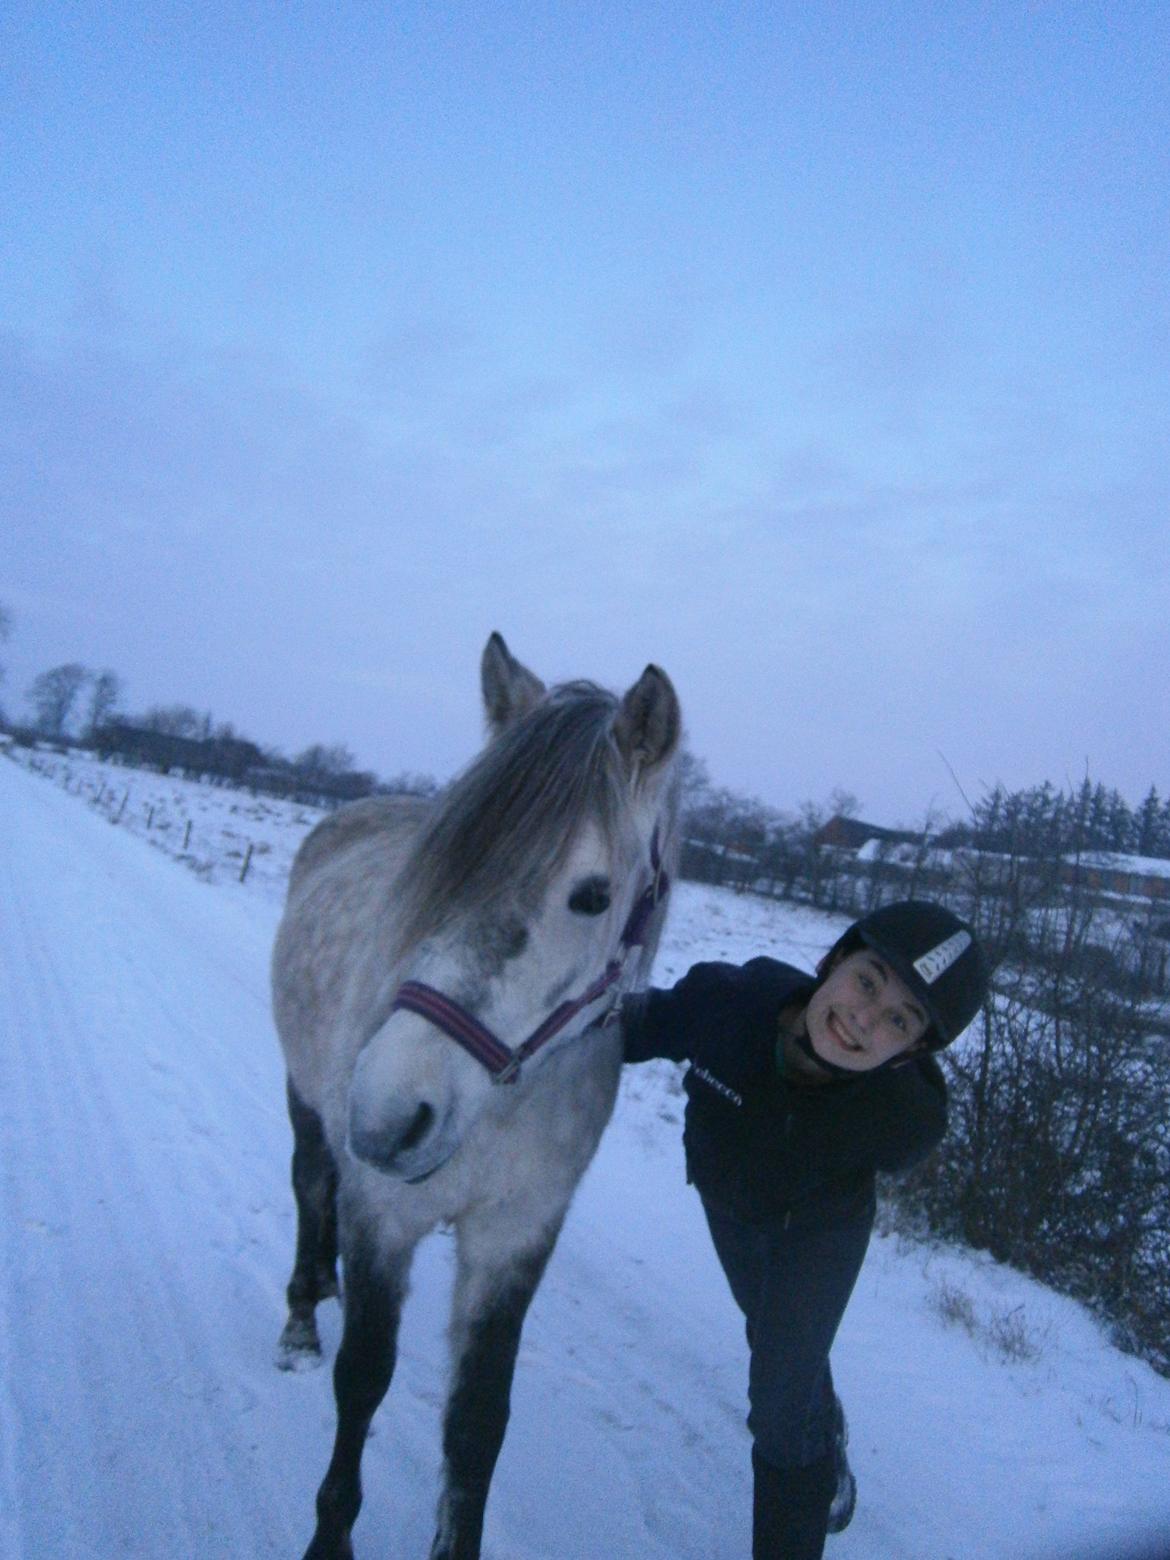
(816, 352)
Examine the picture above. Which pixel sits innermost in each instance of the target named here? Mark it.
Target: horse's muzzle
(410, 1146)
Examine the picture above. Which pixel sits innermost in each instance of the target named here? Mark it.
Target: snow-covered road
(146, 1230)
(147, 1233)
(140, 1113)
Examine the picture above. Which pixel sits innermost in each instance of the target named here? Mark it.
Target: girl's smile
(863, 1014)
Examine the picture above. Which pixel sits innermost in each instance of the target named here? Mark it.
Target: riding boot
(844, 1500)
(790, 1509)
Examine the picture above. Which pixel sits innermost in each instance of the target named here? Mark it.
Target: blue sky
(817, 353)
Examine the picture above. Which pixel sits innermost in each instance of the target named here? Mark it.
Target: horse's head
(524, 904)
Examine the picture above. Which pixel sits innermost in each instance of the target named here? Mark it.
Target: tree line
(71, 702)
(1090, 817)
(739, 841)
(1058, 1153)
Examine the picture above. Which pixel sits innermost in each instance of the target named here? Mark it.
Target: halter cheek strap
(478, 1040)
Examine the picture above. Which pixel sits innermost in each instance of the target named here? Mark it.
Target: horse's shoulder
(388, 821)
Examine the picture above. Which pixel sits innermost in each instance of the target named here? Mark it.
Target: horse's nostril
(418, 1128)
(391, 1135)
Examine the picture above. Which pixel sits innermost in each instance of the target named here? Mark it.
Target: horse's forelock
(512, 814)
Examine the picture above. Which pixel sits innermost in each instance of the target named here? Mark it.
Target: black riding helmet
(934, 952)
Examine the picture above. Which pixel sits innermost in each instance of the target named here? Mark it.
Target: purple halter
(478, 1040)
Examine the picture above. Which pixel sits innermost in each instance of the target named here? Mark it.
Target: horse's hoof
(299, 1347)
(299, 1360)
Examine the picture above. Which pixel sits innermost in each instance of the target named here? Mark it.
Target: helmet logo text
(938, 960)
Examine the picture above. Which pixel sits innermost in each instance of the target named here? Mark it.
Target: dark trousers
(792, 1286)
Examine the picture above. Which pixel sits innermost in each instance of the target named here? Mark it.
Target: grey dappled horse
(439, 978)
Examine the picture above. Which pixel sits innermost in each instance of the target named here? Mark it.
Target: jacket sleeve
(670, 1023)
(647, 1030)
(887, 1123)
(912, 1120)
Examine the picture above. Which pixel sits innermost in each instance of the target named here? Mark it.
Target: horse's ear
(648, 723)
(509, 689)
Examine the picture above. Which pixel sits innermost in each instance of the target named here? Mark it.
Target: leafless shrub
(1058, 1153)
(1005, 1331)
(1012, 1337)
(953, 1305)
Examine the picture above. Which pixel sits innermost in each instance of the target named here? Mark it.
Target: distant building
(852, 833)
(1134, 877)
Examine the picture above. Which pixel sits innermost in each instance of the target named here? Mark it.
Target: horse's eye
(590, 897)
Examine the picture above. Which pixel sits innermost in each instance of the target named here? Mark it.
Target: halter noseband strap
(478, 1040)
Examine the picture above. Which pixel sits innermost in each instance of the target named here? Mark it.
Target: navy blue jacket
(759, 1146)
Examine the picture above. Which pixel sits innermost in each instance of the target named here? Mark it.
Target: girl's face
(863, 1014)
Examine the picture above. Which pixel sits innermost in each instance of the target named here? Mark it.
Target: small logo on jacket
(939, 960)
(718, 1085)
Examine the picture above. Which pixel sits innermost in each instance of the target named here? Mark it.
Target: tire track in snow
(124, 1228)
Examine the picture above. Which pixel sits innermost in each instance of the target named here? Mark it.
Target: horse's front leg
(314, 1276)
(375, 1284)
(490, 1304)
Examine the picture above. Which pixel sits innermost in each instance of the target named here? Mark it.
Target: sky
(817, 354)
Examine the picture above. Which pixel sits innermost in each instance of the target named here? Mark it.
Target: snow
(1118, 861)
(146, 1232)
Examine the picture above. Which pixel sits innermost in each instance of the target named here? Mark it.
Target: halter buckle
(510, 1071)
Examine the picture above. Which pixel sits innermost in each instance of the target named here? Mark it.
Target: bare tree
(53, 695)
(694, 781)
(103, 699)
(842, 803)
(815, 865)
(320, 759)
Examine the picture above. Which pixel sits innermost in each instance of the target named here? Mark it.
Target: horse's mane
(513, 813)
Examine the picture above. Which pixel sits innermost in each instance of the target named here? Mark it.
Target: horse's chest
(550, 1126)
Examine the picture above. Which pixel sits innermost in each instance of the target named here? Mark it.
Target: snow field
(146, 1231)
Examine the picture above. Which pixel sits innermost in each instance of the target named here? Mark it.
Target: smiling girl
(799, 1089)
